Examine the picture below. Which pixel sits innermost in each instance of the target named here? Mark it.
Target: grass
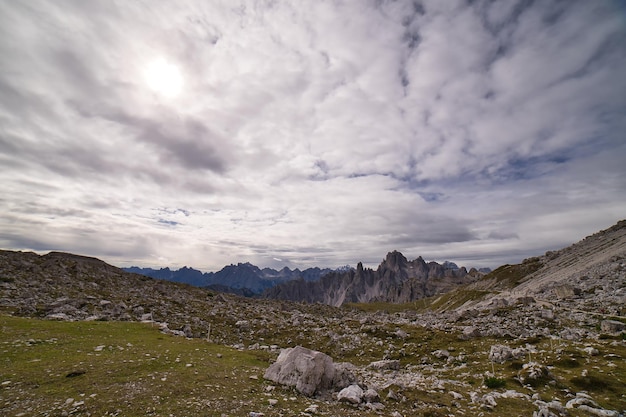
(493, 382)
(118, 368)
(131, 369)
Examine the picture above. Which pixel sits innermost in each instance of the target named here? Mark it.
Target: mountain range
(395, 280)
(242, 279)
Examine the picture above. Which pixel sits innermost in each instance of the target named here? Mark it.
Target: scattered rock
(533, 373)
(470, 332)
(591, 351)
(387, 364)
(352, 394)
(501, 353)
(612, 326)
(371, 396)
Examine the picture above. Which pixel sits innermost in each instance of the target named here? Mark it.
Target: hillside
(588, 275)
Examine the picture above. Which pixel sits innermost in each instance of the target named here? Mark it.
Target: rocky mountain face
(242, 279)
(588, 274)
(396, 280)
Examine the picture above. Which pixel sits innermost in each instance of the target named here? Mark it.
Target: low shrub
(493, 382)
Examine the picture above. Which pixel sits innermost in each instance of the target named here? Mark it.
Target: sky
(310, 133)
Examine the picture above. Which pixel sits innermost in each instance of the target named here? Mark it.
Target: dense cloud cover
(311, 132)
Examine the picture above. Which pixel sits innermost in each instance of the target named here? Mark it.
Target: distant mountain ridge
(396, 280)
(242, 279)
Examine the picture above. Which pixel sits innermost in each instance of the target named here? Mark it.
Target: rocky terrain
(542, 338)
(396, 280)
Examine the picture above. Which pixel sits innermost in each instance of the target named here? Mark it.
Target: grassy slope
(143, 372)
(138, 372)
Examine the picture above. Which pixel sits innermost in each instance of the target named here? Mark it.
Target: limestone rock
(309, 371)
(352, 394)
(470, 332)
(371, 396)
(612, 326)
(344, 375)
(501, 353)
(386, 364)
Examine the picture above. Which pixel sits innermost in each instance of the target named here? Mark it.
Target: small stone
(591, 351)
(272, 401)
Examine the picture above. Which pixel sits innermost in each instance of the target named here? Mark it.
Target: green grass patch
(493, 382)
(121, 368)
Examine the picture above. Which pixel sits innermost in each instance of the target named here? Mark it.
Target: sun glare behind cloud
(164, 78)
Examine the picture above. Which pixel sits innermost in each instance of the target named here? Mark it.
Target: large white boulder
(309, 371)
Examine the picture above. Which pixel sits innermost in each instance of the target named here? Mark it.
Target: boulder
(470, 332)
(352, 394)
(343, 375)
(309, 371)
(371, 396)
(612, 326)
(547, 314)
(533, 374)
(500, 353)
(566, 291)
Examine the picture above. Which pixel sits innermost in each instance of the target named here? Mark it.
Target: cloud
(321, 133)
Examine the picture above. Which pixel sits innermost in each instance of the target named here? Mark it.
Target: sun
(164, 78)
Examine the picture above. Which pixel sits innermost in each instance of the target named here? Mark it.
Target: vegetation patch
(493, 382)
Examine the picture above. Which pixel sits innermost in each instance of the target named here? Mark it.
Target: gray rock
(500, 353)
(441, 354)
(543, 412)
(371, 396)
(352, 394)
(547, 314)
(470, 332)
(387, 364)
(309, 371)
(612, 326)
(599, 411)
(344, 375)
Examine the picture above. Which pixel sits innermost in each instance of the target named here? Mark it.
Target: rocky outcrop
(308, 371)
(593, 269)
(396, 280)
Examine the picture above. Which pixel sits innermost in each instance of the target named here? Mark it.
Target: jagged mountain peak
(394, 260)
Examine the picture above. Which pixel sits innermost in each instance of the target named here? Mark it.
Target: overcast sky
(304, 133)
